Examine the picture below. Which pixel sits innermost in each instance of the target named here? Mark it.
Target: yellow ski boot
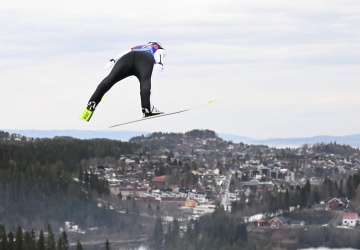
(88, 111)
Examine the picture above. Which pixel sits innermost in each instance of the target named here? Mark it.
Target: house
(204, 209)
(176, 200)
(201, 198)
(350, 219)
(191, 203)
(159, 178)
(157, 185)
(132, 190)
(338, 203)
(158, 182)
(278, 221)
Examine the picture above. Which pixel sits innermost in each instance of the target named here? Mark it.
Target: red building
(278, 221)
(260, 223)
(338, 203)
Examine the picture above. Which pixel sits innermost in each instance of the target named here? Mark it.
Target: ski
(162, 115)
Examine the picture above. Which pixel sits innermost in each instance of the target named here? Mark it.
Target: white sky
(277, 68)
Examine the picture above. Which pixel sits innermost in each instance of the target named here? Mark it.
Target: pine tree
(81, 174)
(19, 238)
(150, 209)
(32, 245)
(307, 188)
(350, 191)
(286, 200)
(29, 242)
(50, 240)
(3, 238)
(157, 209)
(86, 177)
(241, 232)
(356, 180)
(78, 245)
(169, 237)
(341, 188)
(158, 234)
(107, 245)
(11, 243)
(316, 194)
(41, 241)
(63, 243)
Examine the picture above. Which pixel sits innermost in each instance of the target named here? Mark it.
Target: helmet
(156, 43)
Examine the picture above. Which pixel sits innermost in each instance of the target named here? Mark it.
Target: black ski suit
(133, 63)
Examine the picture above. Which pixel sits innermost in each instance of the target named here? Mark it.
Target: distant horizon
(126, 135)
(218, 133)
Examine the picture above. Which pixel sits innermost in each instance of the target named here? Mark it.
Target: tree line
(29, 240)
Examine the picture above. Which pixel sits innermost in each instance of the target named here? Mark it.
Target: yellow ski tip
(86, 115)
(211, 101)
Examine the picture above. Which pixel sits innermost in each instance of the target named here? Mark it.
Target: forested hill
(170, 140)
(334, 148)
(69, 151)
(38, 180)
(4, 135)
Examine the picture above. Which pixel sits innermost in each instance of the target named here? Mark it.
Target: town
(198, 171)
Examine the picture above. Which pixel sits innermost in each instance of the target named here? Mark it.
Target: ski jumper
(139, 62)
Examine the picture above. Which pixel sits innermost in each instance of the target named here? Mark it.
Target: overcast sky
(276, 68)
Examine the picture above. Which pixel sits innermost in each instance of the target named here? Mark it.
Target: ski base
(162, 115)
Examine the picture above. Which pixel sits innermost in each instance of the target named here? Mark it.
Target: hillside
(39, 181)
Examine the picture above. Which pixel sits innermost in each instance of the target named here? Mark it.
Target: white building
(350, 219)
(204, 209)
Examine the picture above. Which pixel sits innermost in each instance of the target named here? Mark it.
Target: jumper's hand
(159, 67)
(109, 64)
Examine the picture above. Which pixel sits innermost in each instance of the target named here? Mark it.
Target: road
(225, 191)
(338, 220)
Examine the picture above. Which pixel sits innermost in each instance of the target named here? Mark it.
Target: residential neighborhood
(225, 172)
